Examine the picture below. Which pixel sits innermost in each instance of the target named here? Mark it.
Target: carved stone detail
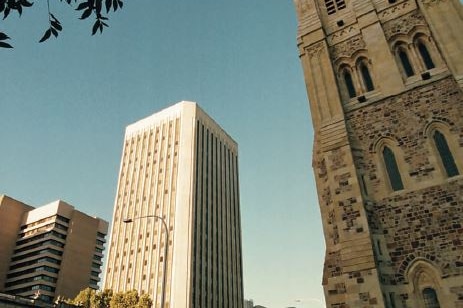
(347, 48)
(432, 2)
(343, 34)
(315, 49)
(404, 24)
(302, 8)
(395, 11)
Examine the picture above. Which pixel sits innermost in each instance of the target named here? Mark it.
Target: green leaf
(82, 6)
(6, 12)
(98, 5)
(108, 5)
(3, 36)
(26, 3)
(46, 36)
(95, 26)
(5, 45)
(54, 18)
(86, 13)
(54, 32)
(56, 25)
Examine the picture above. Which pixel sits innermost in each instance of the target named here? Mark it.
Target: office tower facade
(54, 249)
(384, 79)
(179, 171)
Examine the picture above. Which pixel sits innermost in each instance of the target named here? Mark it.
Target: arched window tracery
(415, 53)
(355, 77)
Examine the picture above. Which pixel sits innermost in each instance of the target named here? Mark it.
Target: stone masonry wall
(404, 118)
(349, 277)
(425, 223)
(425, 220)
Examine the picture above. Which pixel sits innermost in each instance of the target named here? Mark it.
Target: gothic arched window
(405, 61)
(392, 169)
(425, 55)
(430, 298)
(349, 83)
(445, 155)
(366, 77)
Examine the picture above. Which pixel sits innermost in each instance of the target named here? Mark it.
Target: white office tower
(180, 168)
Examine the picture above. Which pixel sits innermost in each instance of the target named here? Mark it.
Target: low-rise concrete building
(54, 249)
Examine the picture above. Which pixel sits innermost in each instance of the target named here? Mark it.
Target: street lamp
(164, 224)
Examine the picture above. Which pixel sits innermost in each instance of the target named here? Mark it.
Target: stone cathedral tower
(385, 80)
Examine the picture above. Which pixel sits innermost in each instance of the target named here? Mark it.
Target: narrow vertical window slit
(425, 55)
(367, 81)
(445, 155)
(392, 169)
(408, 69)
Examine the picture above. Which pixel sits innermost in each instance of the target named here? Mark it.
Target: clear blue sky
(64, 105)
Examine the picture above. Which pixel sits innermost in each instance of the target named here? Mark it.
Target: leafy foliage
(144, 301)
(88, 8)
(89, 298)
(101, 299)
(55, 26)
(4, 37)
(84, 297)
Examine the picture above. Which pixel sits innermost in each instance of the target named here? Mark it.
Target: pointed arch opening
(422, 44)
(430, 298)
(425, 282)
(349, 83)
(366, 75)
(405, 62)
(446, 157)
(425, 55)
(392, 169)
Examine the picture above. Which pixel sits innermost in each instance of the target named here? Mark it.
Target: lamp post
(166, 245)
